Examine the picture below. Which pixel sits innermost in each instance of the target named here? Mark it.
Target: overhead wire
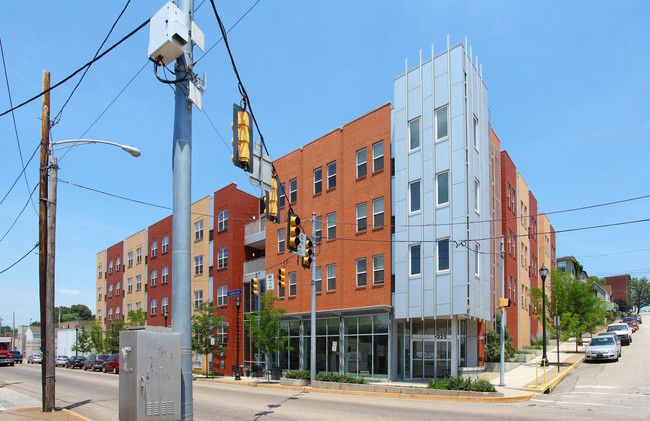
(19, 260)
(21, 173)
(29, 199)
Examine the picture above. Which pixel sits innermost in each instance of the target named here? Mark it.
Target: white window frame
(331, 175)
(318, 180)
(439, 109)
(331, 278)
(99, 294)
(117, 313)
(222, 258)
(129, 308)
(318, 279)
(419, 191)
(440, 240)
(138, 255)
(198, 298)
(154, 248)
(165, 244)
(222, 295)
(110, 291)
(222, 220)
(154, 306)
(138, 306)
(331, 226)
(138, 282)
(164, 304)
(222, 333)
(129, 285)
(477, 196)
(412, 255)
(475, 132)
(438, 183)
(117, 264)
(376, 269)
(164, 275)
(117, 289)
(282, 197)
(477, 259)
(110, 267)
(362, 162)
(198, 265)
(378, 157)
(130, 260)
(376, 214)
(319, 230)
(198, 230)
(410, 137)
(100, 272)
(293, 190)
(154, 278)
(110, 314)
(293, 284)
(362, 273)
(281, 240)
(362, 217)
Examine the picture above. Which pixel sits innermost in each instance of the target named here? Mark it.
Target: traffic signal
(293, 229)
(282, 276)
(503, 303)
(255, 286)
(271, 203)
(309, 251)
(242, 139)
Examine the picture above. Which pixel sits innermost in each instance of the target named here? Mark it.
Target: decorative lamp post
(165, 315)
(237, 304)
(543, 273)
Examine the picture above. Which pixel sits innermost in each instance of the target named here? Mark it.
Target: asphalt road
(592, 391)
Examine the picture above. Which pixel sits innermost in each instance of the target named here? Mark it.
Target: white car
(61, 360)
(602, 348)
(623, 331)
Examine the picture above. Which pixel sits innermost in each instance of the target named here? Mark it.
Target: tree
(113, 336)
(97, 336)
(204, 325)
(82, 311)
(493, 343)
(265, 329)
(639, 293)
(623, 305)
(83, 343)
(138, 318)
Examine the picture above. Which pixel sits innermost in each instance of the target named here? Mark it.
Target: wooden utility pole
(46, 291)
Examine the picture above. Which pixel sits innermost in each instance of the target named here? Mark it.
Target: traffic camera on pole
(255, 287)
(242, 139)
(309, 251)
(282, 276)
(293, 229)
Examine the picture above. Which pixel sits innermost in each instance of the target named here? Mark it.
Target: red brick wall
(341, 146)
(509, 215)
(113, 302)
(156, 233)
(619, 285)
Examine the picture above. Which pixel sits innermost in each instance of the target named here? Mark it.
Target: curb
(547, 387)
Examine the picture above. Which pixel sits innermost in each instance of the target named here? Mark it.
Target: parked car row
(607, 345)
(108, 363)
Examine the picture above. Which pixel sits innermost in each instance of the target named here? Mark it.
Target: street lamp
(165, 315)
(237, 304)
(543, 273)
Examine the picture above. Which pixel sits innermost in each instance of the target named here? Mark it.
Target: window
(477, 259)
(378, 156)
(222, 333)
(378, 212)
(508, 195)
(443, 254)
(198, 230)
(293, 190)
(362, 217)
(477, 196)
(129, 285)
(318, 180)
(154, 278)
(319, 230)
(378, 269)
(117, 265)
(442, 185)
(165, 244)
(414, 253)
(222, 220)
(110, 267)
(414, 196)
(164, 278)
(198, 265)
(130, 259)
(362, 163)
(475, 132)
(110, 314)
(154, 249)
(281, 240)
(99, 314)
(318, 280)
(331, 226)
(154, 304)
(361, 272)
(163, 305)
(138, 255)
(414, 134)
(331, 277)
(110, 291)
(281, 196)
(100, 272)
(138, 306)
(331, 175)
(129, 308)
(198, 298)
(442, 130)
(292, 284)
(117, 313)
(222, 295)
(222, 258)
(99, 294)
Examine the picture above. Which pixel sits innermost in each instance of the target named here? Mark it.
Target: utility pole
(46, 289)
(504, 317)
(182, 183)
(312, 366)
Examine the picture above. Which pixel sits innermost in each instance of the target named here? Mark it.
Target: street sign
(234, 292)
(270, 285)
(301, 245)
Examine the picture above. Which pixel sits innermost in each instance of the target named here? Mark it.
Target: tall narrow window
(165, 244)
(414, 196)
(442, 184)
(223, 220)
(318, 180)
(378, 269)
(130, 260)
(129, 285)
(331, 277)
(100, 272)
(331, 175)
(443, 254)
(362, 272)
(378, 156)
(222, 293)
(281, 195)
(99, 294)
(222, 258)
(163, 305)
(292, 284)
(414, 134)
(475, 132)
(117, 289)
(198, 265)
(318, 281)
(331, 226)
(117, 265)
(138, 255)
(362, 217)
(154, 305)
(378, 212)
(154, 249)
(319, 230)
(362, 162)
(281, 240)
(110, 267)
(164, 278)
(110, 291)
(138, 282)
(198, 230)
(477, 196)
(154, 278)
(441, 123)
(414, 254)
(198, 298)
(477, 259)
(293, 190)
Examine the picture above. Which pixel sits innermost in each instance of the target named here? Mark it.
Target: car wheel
(85, 368)
(104, 369)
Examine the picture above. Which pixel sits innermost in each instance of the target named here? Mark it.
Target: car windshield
(112, 358)
(616, 327)
(602, 340)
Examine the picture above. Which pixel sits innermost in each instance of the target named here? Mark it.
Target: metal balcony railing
(254, 266)
(254, 227)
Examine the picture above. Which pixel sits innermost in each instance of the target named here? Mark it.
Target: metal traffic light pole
(312, 367)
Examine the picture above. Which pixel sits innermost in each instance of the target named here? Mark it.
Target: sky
(567, 86)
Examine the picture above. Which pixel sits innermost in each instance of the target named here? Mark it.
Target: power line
(612, 254)
(21, 173)
(129, 35)
(29, 199)
(19, 260)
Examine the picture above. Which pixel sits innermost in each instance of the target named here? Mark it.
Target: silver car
(34, 359)
(616, 337)
(61, 360)
(602, 348)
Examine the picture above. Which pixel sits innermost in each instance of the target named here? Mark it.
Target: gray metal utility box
(150, 374)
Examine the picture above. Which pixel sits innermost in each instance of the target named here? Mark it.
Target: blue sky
(567, 82)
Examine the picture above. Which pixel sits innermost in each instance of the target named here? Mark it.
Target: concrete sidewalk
(17, 406)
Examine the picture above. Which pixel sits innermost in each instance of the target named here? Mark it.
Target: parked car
(34, 359)
(18, 356)
(96, 363)
(61, 360)
(112, 364)
(616, 338)
(632, 324)
(639, 318)
(75, 362)
(623, 331)
(89, 361)
(602, 348)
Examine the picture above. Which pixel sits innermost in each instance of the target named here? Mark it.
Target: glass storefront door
(431, 357)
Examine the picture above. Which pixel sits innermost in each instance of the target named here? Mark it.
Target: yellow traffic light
(503, 303)
(272, 204)
(309, 251)
(255, 286)
(293, 229)
(282, 276)
(242, 139)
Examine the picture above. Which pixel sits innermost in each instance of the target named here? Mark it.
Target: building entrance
(431, 357)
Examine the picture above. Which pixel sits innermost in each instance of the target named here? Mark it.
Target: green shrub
(462, 383)
(539, 341)
(298, 374)
(493, 343)
(340, 378)
(482, 385)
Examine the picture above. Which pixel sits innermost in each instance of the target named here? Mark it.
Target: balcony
(255, 234)
(251, 267)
